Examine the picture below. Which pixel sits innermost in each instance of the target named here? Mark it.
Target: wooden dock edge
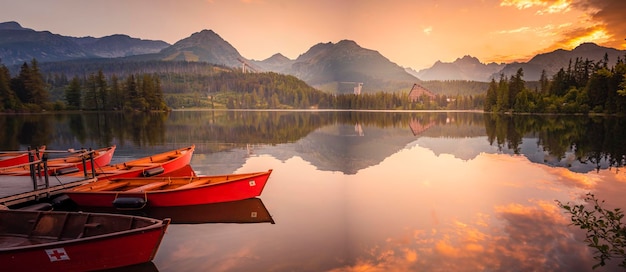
(41, 193)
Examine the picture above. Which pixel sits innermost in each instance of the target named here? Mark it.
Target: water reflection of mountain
(578, 143)
(332, 140)
(340, 148)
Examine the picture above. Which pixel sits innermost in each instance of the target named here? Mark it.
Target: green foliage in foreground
(605, 231)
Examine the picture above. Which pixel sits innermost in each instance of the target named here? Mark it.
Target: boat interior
(24, 228)
(140, 185)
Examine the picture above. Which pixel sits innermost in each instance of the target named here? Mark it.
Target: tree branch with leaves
(605, 231)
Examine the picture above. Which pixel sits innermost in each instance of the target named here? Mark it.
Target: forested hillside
(161, 85)
(456, 87)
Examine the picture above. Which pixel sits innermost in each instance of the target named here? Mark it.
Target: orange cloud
(602, 22)
(605, 24)
(547, 6)
(597, 34)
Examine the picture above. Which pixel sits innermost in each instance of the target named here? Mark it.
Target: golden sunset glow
(597, 35)
(412, 34)
(546, 6)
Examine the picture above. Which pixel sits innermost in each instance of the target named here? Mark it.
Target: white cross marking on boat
(57, 254)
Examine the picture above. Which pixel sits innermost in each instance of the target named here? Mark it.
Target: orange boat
(13, 158)
(156, 165)
(136, 193)
(75, 162)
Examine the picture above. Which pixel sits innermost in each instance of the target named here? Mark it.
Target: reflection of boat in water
(251, 210)
(142, 267)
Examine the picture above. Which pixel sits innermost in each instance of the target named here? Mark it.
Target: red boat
(66, 164)
(156, 165)
(13, 158)
(136, 193)
(73, 241)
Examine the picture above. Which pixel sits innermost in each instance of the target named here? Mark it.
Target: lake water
(369, 191)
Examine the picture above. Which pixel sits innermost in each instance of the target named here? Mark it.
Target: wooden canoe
(13, 158)
(169, 191)
(161, 164)
(76, 161)
(73, 241)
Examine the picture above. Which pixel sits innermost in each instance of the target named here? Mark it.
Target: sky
(410, 33)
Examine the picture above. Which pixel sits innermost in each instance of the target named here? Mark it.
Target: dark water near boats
(368, 191)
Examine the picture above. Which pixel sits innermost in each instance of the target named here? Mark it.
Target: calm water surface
(371, 191)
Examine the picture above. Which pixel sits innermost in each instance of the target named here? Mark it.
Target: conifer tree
(73, 94)
(7, 95)
(37, 86)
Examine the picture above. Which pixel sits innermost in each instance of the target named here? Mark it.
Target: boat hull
(9, 159)
(237, 189)
(157, 165)
(14, 160)
(91, 253)
(69, 164)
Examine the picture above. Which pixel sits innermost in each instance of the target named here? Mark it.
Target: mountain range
(19, 45)
(466, 68)
(470, 68)
(333, 67)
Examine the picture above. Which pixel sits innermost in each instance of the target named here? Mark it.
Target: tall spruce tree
(73, 94)
(36, 85)
(7, 95)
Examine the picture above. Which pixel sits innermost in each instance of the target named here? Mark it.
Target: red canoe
(73, 241)
(13, 158)
(67, 164)
(156, 165)
(168, 191)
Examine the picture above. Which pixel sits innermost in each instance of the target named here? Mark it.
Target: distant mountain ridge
(466, 68)
(339, 67)
(470, 68)
(19, 45)
(551, 62)
(277, 63)
(332, 67)
(204, 46)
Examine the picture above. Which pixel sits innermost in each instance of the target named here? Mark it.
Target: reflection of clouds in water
(572, 179)
(532, 238)
(193, 248)
(415, 211)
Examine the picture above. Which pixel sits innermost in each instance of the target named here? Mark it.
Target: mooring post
(93, 165)
(45, 169)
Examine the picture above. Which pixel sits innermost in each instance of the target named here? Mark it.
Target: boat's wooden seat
(106, 187)
(147, 187)
(194, 184)
(112, 186)
(73, 159)
(138, 164)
